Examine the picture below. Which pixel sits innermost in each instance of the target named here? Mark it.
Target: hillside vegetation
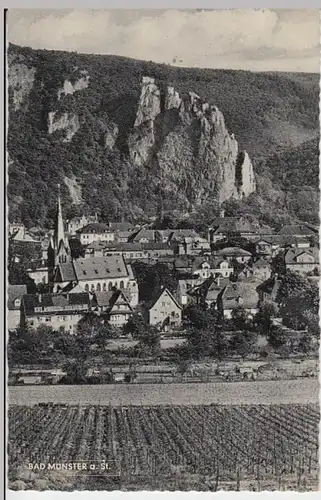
(274, 116)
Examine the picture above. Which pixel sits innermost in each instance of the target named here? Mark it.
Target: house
(39, 271)
(163, 235)
(34, 257)
(187, 241)
(263, 246)
(130, 251)
(184, 289)
(242, 294)
(297, 230)
(224, 227)
(259, 269)
(211, 267)
(138, 251)
(14, 227)
(165, 312)
(21, 234)
(271, 245)
(207, 292)
(122, 226)
(15, 294)
(183, 265)
(96, 249)
(123, 236)
(268, 290)
(77, 223)
(58, 310)
(116, 304)
(97, 274)
(143, 236)
(95, 231)
(234, 253)
(302, 260)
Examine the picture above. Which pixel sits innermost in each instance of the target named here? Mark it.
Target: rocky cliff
(136, 138)
(187, 140)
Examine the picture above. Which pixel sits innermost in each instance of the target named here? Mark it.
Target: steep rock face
(74, 190)
(67, 122)
(20, 82)
(69, 88)
(185, 142)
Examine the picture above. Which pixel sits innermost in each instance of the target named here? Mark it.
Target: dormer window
(17, 302)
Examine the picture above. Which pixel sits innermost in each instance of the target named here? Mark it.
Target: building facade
(166, 312)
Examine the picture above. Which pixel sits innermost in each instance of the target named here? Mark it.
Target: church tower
(59, 250)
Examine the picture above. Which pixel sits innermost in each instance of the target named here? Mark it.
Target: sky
(257, 40)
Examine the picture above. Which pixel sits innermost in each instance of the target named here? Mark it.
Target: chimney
(39, 298)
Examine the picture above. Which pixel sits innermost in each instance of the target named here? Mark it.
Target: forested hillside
(71, 119)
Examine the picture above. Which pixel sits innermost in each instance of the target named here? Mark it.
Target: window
(92, 288)
(48, 318)
(87, 287)
(163, 304)
(110, 286)
(121, 285)
(104, 287)
(98, 287)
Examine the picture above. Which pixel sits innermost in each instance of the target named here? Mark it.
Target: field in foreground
(204, 447)
(300, 391)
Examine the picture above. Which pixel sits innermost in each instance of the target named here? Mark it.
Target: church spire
(59, 231)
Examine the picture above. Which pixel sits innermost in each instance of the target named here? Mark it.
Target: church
(77, 286)
(86, 274)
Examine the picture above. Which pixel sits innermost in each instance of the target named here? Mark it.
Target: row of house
(66, 309)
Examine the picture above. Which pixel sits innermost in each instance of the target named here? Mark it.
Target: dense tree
(151, 278)
(277, 337)
(243, 342)
(136, 325)
(268, 310)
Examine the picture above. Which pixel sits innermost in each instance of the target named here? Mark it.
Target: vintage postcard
(163, 250)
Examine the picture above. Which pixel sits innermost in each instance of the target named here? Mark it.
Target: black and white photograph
(162, 238)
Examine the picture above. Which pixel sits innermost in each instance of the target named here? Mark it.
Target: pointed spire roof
(59, 230)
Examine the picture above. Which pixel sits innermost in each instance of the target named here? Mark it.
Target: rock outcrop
(188, 143)
(20, 82)
(67, 122)
(69, 88)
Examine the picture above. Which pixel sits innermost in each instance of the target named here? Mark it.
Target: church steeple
(59, 231)
(59, 245)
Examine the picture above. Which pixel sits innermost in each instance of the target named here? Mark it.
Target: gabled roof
(260, 263)
(296, 229)
(95, 227)
(109, 266)
(155, 246)
(233, 251)
(111, 298)
(148, 234)
(270, 287)
(246, 290)
(15, 292)
(160, 294)
(232, 224)
(65, 272)
(292, 254)
(121, 226)
(97, 245)
(57, 300)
